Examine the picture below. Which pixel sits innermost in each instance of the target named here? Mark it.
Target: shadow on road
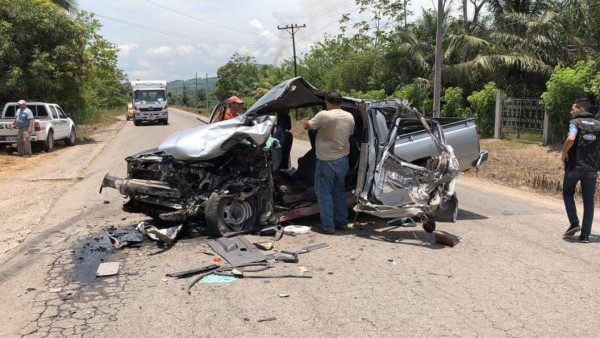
(575, 239)
(468, 215)
(372, 228)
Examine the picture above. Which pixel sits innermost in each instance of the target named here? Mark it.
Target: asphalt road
(511, 275)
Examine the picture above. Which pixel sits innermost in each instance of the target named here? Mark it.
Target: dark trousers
(588, 190)
(330, 177)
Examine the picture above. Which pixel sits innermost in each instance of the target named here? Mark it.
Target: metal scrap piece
(309, 248)
(192, 272)
(237, 251)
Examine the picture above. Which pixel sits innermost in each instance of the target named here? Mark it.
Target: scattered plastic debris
(107, 269)
(218, 279)
(121, 239)
(294, 230)
(264, 245)
(166, 235)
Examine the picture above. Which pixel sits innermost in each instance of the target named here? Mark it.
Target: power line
(190, 37)
(200, 19)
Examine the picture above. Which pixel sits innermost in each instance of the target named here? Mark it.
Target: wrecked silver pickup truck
(231, 175)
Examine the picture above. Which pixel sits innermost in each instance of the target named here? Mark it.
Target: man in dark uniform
(580, 158)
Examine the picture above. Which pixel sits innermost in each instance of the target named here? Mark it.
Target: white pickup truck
(51, 123)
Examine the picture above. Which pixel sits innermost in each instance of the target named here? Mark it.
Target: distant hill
(176, 86)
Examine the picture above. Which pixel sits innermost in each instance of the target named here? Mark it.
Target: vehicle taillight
(37, 126)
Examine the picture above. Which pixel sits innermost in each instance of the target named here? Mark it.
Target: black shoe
(584, 238)
(323, 231)
(572, 230)
(341, 227)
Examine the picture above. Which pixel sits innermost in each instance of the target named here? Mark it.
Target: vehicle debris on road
(165, 235)
(187, 273)
(107, 269)
(121, 239)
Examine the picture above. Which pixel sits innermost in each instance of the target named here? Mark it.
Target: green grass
(524, 135)
(98, 115)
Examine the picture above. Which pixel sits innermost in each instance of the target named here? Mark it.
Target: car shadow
(369, 227)
(468, 215)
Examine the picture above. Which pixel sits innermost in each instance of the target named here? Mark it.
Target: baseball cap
(234, 99)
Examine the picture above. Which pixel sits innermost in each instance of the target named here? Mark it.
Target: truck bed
(414, 144)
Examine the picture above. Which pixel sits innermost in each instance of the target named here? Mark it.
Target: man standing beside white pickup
(23, 121)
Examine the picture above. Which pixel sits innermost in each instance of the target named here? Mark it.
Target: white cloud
(125, 50)
(184, 50)
(161, 51)
(256, 24)
(268, 34)
(165, 52)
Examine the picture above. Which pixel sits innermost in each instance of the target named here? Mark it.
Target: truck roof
(149, 84)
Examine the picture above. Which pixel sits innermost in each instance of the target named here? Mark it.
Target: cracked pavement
(512, 274)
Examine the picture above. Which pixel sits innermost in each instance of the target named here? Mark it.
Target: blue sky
(175, 39)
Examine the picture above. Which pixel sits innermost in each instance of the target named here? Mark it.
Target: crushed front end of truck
(221, 172)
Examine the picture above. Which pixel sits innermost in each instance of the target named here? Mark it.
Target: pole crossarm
(292, 29)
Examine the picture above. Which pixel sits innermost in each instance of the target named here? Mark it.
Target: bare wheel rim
(235, 213)
(72, 136)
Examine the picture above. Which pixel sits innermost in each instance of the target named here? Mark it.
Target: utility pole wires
(292, 29)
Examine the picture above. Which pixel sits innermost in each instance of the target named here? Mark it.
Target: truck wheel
(72, 139)
(49, 143)
(166, 122)
(227, 215)
(137, 123)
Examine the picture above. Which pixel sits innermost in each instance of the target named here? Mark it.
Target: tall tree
(236, 77)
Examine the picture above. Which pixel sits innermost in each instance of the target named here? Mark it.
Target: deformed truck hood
(213, 140)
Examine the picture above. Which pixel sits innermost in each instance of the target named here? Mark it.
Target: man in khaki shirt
(334, 127)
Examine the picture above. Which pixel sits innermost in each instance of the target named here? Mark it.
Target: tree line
(526, 48)
(50, 54)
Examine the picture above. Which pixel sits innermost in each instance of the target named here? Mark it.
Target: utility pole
(206, 90)
(437, 73)
(292, 29)
(196, 89)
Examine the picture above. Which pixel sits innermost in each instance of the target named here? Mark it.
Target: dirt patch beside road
(524, 165)
(31, 185)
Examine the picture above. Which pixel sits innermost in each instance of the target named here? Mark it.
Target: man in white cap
(24, 122)
(234, 107)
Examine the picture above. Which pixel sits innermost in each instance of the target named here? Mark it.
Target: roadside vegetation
(526, 48)
(51, 54)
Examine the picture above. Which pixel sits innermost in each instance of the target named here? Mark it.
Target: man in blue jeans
(334, 127)
(580, 158)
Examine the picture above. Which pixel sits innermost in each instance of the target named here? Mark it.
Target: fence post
(546, 130)
(498, 115)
